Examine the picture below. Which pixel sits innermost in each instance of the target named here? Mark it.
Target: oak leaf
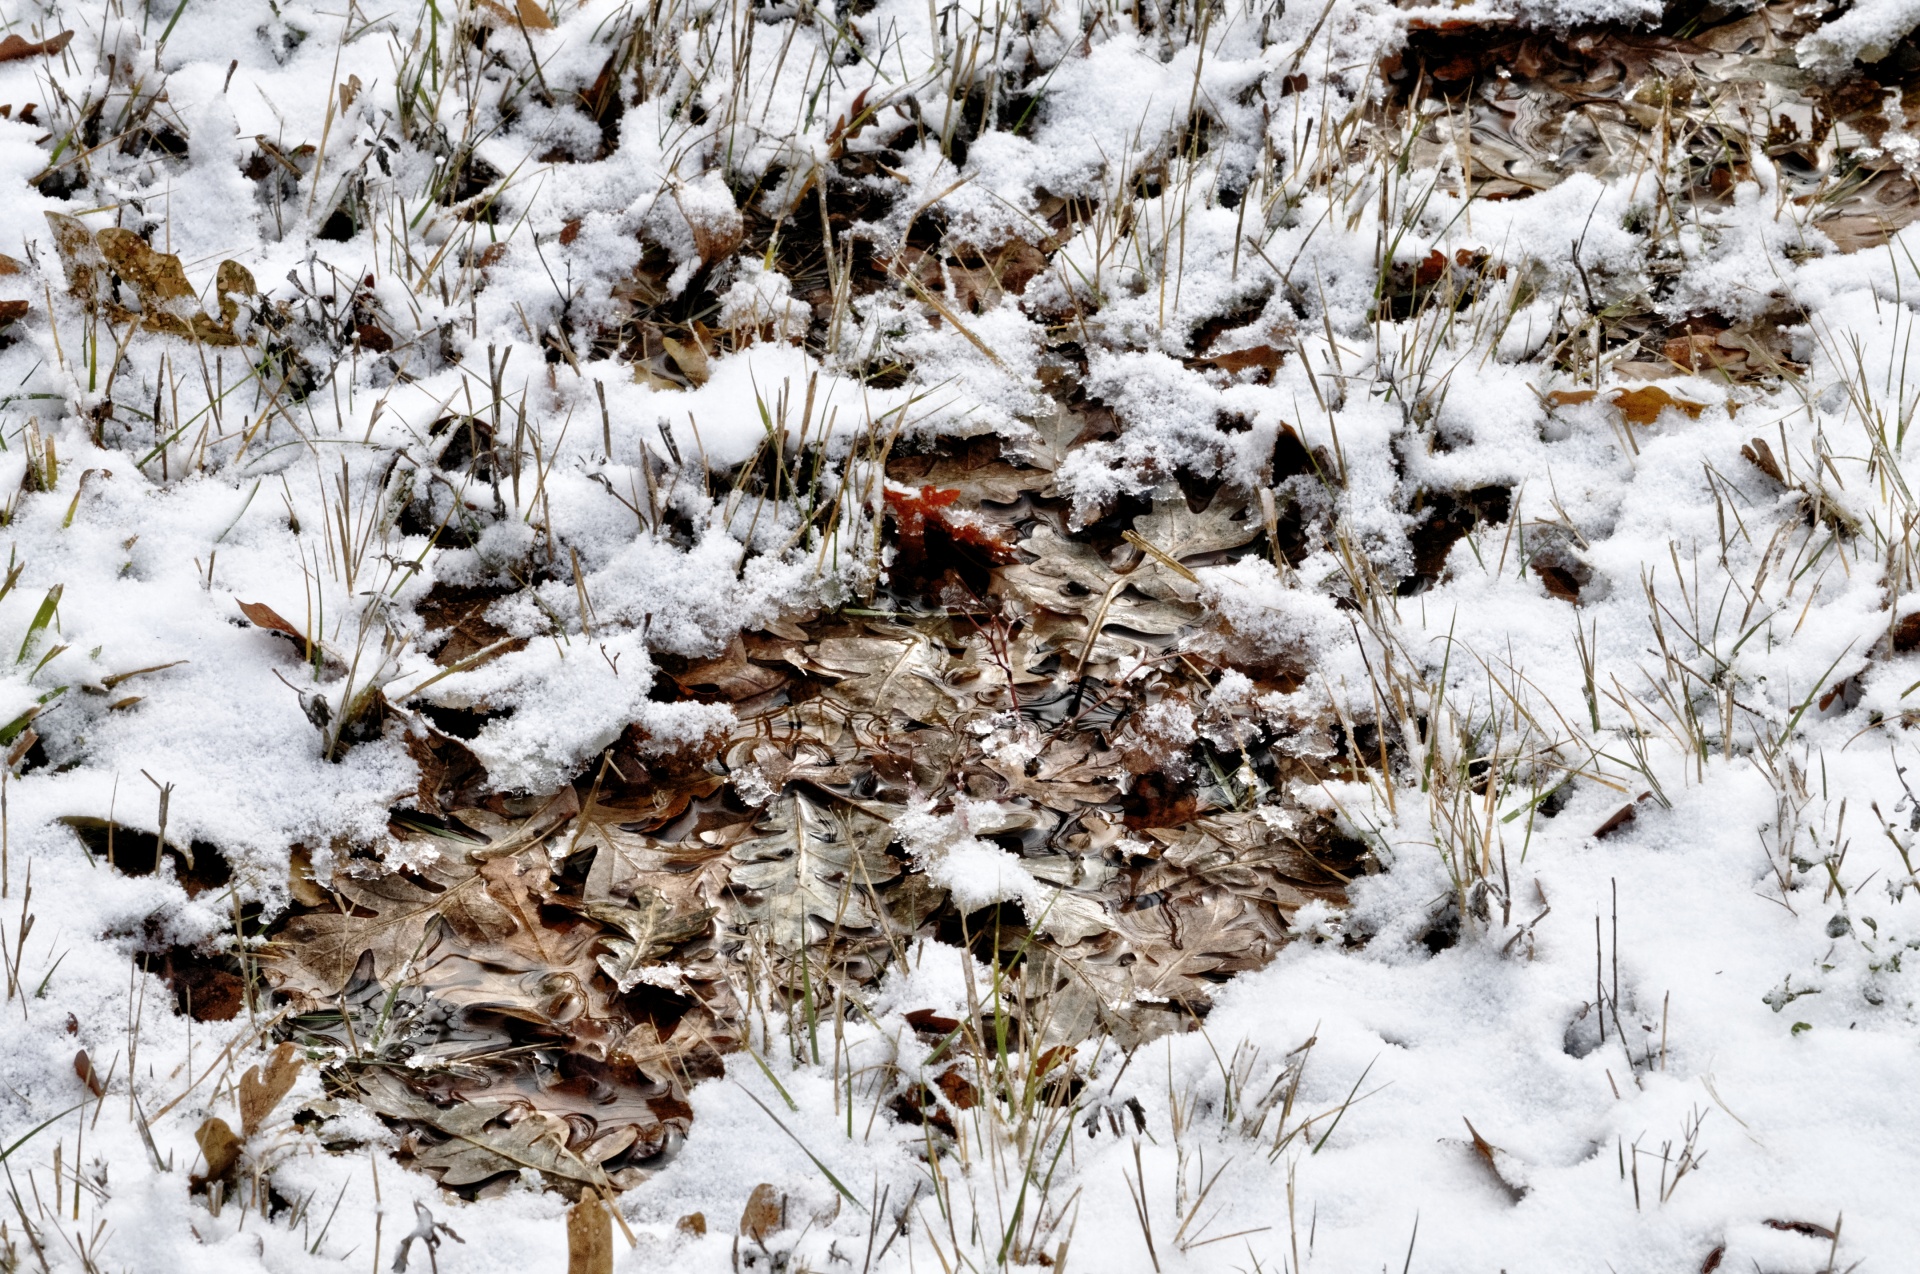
(261, 1091)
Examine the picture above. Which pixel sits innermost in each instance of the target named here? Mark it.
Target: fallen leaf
(1758, 454)
(78, 253)
(15, 47)
(264, 616)
(13, 311)
(83, 1067)
(1265, 358)
(1558, 581)
(484, 1138)
(1502, 1165)
(589, 1236)
(694, 1223)
(915, 511)
(261, 1091)
(764, 1214)
(1643, 406)
(1621, 818)
(219, 1147)
(929, 1022)
(810, 869)
(167, 302)
(652, 929)
(958, 1089)
(690, 357)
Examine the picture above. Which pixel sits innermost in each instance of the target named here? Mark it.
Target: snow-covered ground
(1544, 1037)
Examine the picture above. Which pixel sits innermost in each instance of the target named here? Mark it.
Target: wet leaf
(652, 930)
(809, 869)
(484, 1138)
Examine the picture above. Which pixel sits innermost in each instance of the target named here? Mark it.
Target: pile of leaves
(547, 976)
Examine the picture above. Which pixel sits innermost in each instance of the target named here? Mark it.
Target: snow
(1775, 1025)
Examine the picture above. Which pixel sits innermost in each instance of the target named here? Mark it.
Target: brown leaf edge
(1486, 1150)
(589, 1236)
(16, 48)
(261, 1091)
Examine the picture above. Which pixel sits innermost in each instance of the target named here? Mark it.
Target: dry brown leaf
(1499, 1163)
(1265, 358)
(9, 266)
(13, 311)
(1640, 406)
(717, 235)
(652, 929)
(83, 1067)
(527, 13)
(1643, 406)
(694, 1223)
(764, 1215)
(1758, 454)
(219, 1147)
(1622, 818)
(78, 253)
(690, 357)
(264, 616)
(1071, 580)
(16, 47)
(167, 302)
(957, 1089)
(1906, 633)
(261, 1091)
(589, 1236)
(159, 277)
(300, 882)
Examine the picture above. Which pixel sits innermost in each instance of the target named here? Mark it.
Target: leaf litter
(544, 981)
(1038, 736)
